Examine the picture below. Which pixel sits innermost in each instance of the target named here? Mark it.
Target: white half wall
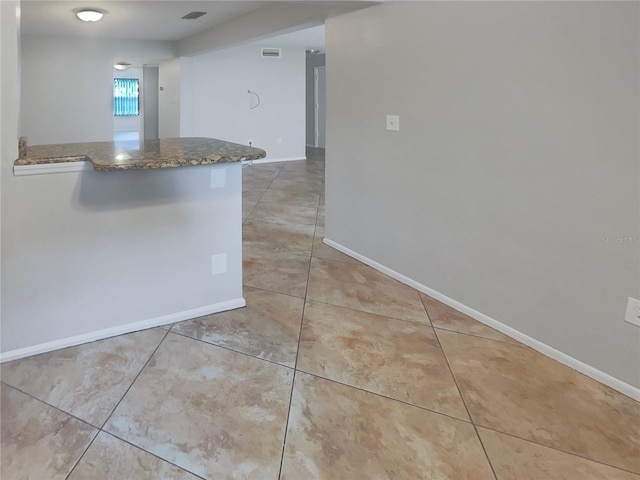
(512, 186)
(215, 101)
(67, 85)
(90, 254)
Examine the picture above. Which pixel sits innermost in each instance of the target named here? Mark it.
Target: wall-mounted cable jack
(257, 98)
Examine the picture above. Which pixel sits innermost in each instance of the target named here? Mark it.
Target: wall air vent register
(271, 52)
(193, 15)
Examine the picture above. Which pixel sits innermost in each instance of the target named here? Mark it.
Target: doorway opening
(315, 103)
(319, 107)
(135, 105)
(128, 117)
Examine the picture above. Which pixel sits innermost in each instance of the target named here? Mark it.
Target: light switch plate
(633, 311)
(393, 122)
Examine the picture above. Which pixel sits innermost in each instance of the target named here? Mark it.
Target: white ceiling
(161, 19)
(146, 19)
(309, 38)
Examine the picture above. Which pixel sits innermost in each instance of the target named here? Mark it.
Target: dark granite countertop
(162, 153)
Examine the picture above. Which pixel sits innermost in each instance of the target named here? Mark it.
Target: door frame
(316, 106)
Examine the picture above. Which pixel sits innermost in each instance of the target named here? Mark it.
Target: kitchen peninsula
(149, 154)
(116, 237)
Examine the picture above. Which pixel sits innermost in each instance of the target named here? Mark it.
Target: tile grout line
(279, 251)
(286, 423)
(412, 322)
(306, 290)
(136, 378)
(307, 259)
(484, 450)
(295, 364)
(279, 222)
(308, 255)
(96, 433)
(267, 291)
(82, 455)
(464, 402)
(280, 169)
(230, 349)
(566, 452)
(481, 337)
(101, 429)
(265, 191)
(49, 405)
(386, 397)
(137, 447)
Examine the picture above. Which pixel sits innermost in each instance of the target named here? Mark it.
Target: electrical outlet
(218, 264)
(633, 311)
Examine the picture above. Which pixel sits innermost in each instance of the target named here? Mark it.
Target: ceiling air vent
(271, 52)
(194, 15)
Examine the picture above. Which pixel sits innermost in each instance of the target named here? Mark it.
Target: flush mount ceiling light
(89, 15)
(121, 66)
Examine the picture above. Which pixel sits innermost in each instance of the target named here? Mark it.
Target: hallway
(332, 371)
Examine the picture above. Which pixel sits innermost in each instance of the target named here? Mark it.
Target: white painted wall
(517, 155)
(312, 62)
(150, 98)
(9, 114)
(89, 251)
(215, 102)
(169, 79)
(67, 85)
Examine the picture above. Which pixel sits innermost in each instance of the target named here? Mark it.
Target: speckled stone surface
(162, 153)
(22, 147)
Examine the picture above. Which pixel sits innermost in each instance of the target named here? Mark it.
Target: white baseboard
(122, 329)
(275, 160)
(589, 371)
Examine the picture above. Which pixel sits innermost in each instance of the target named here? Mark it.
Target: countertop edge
(143, 164)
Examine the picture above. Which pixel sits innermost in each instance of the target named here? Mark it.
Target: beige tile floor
(332, 371)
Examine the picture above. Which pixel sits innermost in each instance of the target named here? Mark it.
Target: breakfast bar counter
(148, 154)
(155, 240)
